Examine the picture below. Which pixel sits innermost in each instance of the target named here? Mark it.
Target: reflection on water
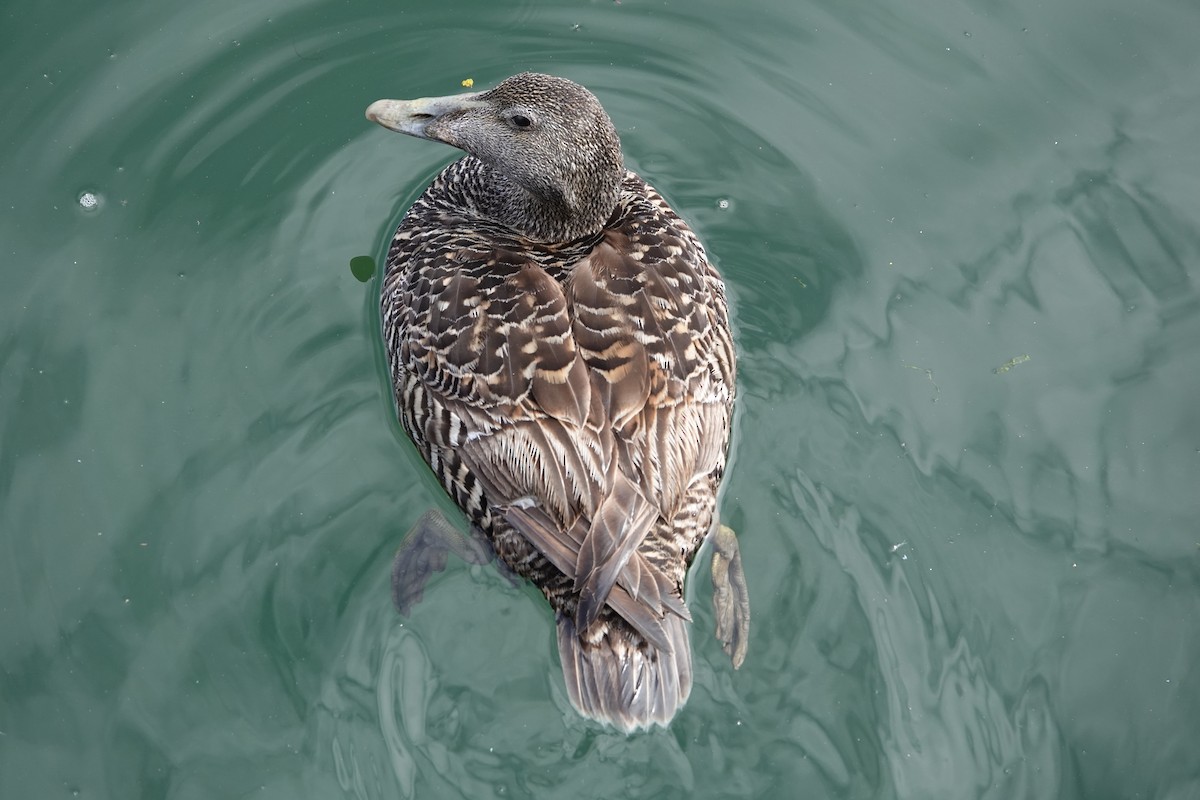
(946, 724)
(962, 253)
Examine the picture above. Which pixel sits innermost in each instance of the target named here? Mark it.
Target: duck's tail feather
(624, 683)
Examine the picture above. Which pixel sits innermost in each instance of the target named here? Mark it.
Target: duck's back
(575, 400)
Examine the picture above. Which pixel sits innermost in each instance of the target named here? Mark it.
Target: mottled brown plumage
(561, 355)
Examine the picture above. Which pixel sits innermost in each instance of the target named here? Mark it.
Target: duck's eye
(521, 121)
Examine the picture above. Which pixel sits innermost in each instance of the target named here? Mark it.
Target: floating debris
(928, 374)
(468, 82)
(363, 268)
(1006, 366)
(89, 201)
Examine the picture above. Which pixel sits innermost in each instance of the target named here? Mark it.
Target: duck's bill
(415, 116)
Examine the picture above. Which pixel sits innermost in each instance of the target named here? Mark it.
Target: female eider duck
(561, 355)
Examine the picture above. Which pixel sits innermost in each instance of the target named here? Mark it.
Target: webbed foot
(731, 600)
(423, 552)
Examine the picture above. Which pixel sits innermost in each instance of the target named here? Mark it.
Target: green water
(969, 581)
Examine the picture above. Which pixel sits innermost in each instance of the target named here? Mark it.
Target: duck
(561, 355)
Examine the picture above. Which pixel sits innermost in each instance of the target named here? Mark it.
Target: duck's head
(552, 156)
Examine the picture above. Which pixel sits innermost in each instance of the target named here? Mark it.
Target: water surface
(961, 244)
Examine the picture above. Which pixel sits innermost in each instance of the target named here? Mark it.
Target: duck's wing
(651, 323)
(650, 315)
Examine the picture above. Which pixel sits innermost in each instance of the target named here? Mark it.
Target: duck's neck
(570, 208)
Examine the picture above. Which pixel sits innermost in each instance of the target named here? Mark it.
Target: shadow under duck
(561, 355)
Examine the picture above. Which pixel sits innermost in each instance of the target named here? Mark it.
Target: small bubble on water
(722, 203)
(89, 201)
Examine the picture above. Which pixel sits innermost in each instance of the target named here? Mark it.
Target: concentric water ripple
(961, 248)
